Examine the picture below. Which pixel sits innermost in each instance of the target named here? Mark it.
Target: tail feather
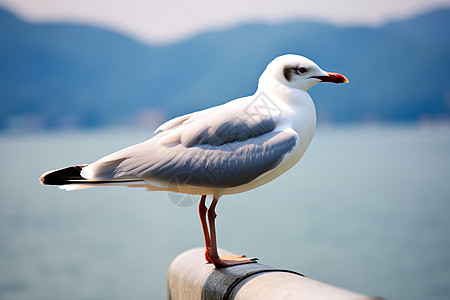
(70, 178)
(63, 176)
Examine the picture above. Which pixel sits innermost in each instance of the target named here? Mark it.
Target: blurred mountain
(61, 75)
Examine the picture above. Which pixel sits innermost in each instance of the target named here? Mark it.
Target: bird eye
(302, 70)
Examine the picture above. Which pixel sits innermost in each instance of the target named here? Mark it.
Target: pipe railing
(190, 277)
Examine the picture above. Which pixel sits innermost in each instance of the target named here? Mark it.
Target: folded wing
(218, 148)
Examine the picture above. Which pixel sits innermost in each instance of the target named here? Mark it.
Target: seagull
(223, 150)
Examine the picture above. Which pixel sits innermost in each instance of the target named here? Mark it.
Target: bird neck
(300, 112)
(290, 96)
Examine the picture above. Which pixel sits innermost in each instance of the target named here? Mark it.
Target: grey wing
(224, 146)
(221, 124)
(202, 165)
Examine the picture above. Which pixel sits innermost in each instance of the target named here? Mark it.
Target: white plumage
(227, 149)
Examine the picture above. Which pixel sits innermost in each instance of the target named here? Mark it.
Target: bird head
(298, 72)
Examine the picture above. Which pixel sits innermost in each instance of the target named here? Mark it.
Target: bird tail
(65, 177)
(70, 178)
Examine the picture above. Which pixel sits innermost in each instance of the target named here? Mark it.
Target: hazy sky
(162, 21)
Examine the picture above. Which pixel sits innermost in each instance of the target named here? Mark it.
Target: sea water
(366, 209)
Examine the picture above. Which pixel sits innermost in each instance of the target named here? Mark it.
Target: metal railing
(190, 277)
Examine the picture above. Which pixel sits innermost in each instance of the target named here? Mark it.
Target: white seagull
(226, 149)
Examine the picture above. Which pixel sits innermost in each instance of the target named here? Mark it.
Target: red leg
(213, 253)
(202, 209)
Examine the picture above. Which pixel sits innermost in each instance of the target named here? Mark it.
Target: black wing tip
(62, 176)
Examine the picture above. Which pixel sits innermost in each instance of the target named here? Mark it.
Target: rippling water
(367, 209)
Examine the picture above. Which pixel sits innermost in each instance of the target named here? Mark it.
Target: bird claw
(232, 260)
(237, 257)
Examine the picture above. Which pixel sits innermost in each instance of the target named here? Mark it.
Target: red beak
(333, 77)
